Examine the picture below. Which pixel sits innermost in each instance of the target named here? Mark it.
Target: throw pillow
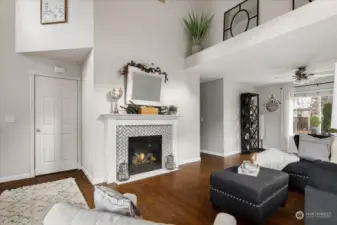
(333, 157)
(275, 159)
(110, 200)
(311, 148)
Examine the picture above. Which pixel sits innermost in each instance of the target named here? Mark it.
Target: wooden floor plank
(180, 197)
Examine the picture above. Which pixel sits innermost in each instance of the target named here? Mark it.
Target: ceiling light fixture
(302, 77)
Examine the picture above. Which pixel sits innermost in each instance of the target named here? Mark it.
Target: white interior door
(55, 125)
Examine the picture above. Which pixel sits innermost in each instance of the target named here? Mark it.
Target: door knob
(38, 130)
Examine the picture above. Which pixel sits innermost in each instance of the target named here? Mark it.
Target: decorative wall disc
(240, 22)
(272, 104)
(241, 18)
(300, 3)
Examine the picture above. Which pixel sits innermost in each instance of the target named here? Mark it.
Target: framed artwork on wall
(53, 11)
(299, 3)
(241, 18)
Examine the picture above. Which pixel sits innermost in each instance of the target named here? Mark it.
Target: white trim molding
(53, 75)
(15, 177)
(92, 180)
(147, 175)
(198, 159)
(231, 153)
(212, 153)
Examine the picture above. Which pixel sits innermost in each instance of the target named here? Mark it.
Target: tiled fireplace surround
(126, 131)
(118, 129)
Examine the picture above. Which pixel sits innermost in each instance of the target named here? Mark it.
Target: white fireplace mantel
(137, 117)
(111, 121)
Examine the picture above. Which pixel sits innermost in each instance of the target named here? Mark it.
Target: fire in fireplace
(145, 154)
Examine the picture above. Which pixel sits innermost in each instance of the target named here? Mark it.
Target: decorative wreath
(148, 68)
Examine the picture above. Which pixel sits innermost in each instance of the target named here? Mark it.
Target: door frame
(32, 80)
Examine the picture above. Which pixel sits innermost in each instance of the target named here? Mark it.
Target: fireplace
(145, 154)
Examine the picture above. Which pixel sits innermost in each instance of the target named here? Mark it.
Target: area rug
(29, 205)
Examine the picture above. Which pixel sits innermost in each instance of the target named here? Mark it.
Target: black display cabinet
(250, 123)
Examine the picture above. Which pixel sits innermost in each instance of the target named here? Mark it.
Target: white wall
(150, 32)
(232, 134)
(269, 9)
(272, 119)
(211, 112)
(15, 96)
(31, 36)
(88, 121)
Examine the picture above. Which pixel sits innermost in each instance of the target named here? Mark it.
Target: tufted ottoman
(251, 198)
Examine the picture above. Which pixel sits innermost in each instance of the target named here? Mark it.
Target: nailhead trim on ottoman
(247, 202)
(297, 175)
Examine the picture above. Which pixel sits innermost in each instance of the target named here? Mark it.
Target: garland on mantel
(148, 68)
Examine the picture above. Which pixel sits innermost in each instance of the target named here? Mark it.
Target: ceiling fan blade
(163, 1)
(280, 77)
(325, 73)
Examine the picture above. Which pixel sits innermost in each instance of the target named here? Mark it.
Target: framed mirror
(143, 88)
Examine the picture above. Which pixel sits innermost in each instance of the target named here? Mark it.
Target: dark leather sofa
(299, 171)
(321, 194)
(318, 180)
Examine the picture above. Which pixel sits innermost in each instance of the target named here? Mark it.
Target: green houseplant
(326, 122)
(172, 110)
(315, 122)
(197, 27)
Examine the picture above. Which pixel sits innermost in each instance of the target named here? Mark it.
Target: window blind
(324, 89)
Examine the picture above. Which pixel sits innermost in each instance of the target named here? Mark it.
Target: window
(312, 114)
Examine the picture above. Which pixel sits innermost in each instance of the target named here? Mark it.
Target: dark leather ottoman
(251, 198)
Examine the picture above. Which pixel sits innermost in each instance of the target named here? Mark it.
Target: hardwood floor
(180, 197)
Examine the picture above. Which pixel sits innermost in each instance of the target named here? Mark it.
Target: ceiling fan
(163, 1)
(302, 76)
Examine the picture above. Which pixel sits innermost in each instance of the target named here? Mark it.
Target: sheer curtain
(287, 111)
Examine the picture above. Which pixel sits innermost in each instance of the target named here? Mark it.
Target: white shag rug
(29, 205)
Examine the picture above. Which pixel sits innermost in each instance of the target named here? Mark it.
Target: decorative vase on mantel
(196, 47)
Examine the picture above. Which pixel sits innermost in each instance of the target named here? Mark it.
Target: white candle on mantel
(334, 105)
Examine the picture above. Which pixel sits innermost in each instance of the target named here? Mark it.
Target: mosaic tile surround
(126, 131)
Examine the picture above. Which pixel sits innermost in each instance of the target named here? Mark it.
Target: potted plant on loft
(314, 122)
(197, 27)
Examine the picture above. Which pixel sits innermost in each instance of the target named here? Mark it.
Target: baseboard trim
(231, 153)
(212, 153)
(92, 180)
(15, 177)
(198, 159)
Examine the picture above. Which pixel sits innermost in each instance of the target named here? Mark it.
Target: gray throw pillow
(110, 200)
(311, 148)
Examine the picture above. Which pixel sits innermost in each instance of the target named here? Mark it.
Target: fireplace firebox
(145, 154)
